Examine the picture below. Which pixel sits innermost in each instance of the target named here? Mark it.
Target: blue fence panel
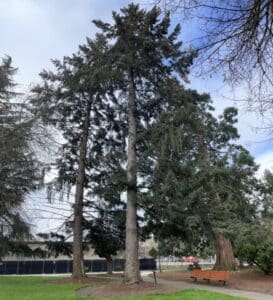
(11, 267)
(62, 266)
(65, 266)
(98, 265)
(48, 267)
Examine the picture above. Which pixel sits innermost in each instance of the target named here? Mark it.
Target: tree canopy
(21, 171)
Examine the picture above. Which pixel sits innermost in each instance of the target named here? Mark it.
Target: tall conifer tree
(201, 181)
(20, 170)
(144, 54)
(73, 98)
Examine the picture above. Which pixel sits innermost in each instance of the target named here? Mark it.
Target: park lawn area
(32, 288)
(185, 295)
(42, 288)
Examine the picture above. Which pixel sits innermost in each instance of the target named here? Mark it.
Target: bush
(256, 252)
(265, 256)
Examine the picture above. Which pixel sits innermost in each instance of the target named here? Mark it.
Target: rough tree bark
(132, 274)
(78, 264)
(109, 265)
(225, 259)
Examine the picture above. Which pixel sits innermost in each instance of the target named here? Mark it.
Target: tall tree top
(7, 71)
(143, 44)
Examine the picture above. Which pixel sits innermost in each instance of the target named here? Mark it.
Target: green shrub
(258, 252)
(265, 256)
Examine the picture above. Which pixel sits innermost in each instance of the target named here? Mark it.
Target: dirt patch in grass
(245, 279)
(116, 290)
(89, 280)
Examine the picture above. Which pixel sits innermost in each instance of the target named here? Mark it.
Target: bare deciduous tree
(236, 38)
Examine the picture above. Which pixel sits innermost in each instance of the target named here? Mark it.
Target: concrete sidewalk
(181, 285)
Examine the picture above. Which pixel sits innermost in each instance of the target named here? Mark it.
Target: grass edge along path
(188, 294)
(42, 288)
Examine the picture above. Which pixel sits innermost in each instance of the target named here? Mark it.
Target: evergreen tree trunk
(225, 259)
(78, 264)
(132, 274)
(109, 265)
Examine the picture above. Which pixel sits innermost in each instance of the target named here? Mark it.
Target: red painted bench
(220, 276)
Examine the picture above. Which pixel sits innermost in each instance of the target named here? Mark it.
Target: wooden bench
(199, 274)
(220, 276)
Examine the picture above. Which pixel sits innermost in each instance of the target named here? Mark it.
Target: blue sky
(35, 31)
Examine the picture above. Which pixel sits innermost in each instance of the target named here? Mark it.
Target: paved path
(239, 293)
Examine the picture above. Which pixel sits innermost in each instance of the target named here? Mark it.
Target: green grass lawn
(32, 288)
(185, 295)
(41, 288)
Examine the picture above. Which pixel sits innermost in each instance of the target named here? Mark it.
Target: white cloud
(266, 162)
(35, 31)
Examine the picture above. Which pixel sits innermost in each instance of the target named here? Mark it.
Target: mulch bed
(90, 280)
(245, 279)
(252, 281)
(115, 290)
